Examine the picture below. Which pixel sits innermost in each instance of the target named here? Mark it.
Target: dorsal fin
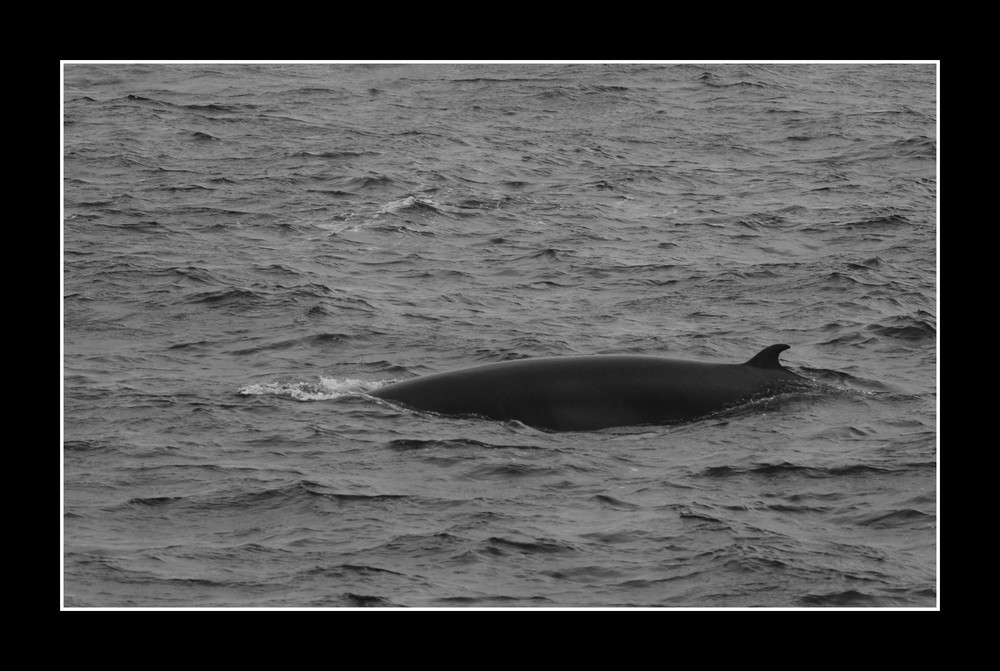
(767, 357)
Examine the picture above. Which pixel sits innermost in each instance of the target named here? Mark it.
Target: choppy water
(248, 249)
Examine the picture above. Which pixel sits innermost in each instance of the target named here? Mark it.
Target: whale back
(592, 392)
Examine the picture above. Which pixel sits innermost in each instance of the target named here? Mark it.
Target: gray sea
(249, 249)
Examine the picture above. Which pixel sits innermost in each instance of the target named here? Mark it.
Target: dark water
(248, 249)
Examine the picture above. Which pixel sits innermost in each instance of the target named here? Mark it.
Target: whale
(593, 392)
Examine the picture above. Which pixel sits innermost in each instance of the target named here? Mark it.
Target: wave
(407, 444)
(366, 601)
(916, 327)
(320, 340)
(499, 545)
(336, 154)
(881, 223)
(787, 468)
(90, 446)
(270, 497)
(511, 471)
(858, 598)
(227, 296)
(201, 136)
(895, 518)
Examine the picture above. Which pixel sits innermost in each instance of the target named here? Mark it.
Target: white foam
(325, 389)
(404, 203)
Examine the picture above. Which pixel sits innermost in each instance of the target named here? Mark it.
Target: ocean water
(249, 249)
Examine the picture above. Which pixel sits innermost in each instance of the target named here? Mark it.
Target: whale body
(585, 393)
